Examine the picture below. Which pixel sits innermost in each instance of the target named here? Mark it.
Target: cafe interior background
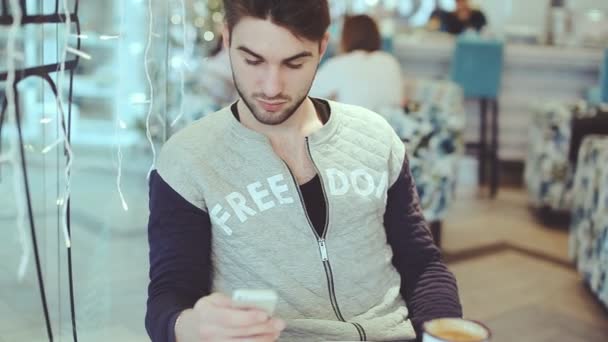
(520, 215)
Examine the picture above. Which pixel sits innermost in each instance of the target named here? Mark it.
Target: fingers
(271, 327)
(218, 300)
(235, 318)
(219, 309)
(268, 330)
(263, 338)
(219, 319)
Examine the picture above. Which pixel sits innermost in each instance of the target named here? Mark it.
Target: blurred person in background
(362, 74)
(216, 77)
(436, 20)
(464, 18)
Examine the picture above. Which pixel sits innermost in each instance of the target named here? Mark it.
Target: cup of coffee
(455, 330)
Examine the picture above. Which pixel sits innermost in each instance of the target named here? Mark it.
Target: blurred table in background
(532, 74)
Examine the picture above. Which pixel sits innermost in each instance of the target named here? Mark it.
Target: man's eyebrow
(300, 55)
(244, 49)
(286, 60)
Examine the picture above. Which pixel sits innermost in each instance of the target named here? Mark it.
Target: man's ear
(323, 45)
(226, 37)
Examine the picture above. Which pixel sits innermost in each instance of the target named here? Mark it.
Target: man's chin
(271, 119)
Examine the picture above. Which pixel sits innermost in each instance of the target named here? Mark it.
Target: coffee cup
(455, 330)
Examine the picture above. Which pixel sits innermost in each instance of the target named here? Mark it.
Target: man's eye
(294, 66)
(250, 62)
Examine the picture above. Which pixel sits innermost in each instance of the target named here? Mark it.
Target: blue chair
(599, 94)
(329, 53)
(593, 95)
(604, 79)
(335, 31)
(477, 66)
(388, 45)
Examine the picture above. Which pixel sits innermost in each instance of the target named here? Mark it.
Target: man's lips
(271, 106)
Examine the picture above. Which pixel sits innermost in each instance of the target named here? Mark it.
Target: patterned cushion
(547, 174)
(432, 131)
(589, 226)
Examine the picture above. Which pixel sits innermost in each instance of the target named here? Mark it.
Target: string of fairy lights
(11, 157)
(203, 23)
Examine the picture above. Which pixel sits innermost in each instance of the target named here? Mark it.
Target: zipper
(323, 250)
(322, 245)
(324, 197)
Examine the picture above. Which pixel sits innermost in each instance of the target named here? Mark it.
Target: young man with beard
(307, 197)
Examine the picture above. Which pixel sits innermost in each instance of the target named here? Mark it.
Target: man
(462, 19)
(307, 197)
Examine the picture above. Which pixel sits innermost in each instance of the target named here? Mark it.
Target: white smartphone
(265, 300)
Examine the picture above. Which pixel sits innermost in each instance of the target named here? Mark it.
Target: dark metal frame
(487, 152)
(43, 71)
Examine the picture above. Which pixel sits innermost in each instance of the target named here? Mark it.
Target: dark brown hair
(307, 19)
(360, 32)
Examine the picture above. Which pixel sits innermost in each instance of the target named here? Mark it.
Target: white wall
(502, 14)
(588, 4)
(532, 14)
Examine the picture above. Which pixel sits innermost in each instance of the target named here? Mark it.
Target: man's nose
(272, 85)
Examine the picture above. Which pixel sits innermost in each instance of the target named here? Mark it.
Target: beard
(271, 118)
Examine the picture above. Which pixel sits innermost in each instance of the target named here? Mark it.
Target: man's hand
(215, 318)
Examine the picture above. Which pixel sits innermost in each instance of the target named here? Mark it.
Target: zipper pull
(323, 250)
